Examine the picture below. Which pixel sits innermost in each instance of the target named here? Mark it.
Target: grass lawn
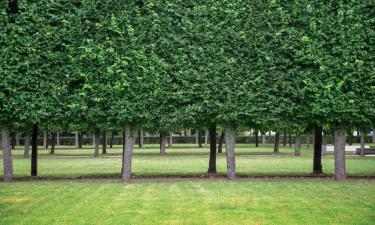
(189, 202)
(60, 199)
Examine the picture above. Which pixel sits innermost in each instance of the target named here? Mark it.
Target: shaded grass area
(189, 202)
(188, 165)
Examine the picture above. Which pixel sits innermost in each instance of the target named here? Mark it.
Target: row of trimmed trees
(168, 65)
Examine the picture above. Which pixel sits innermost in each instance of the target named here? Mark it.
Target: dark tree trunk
(53, 137)
(128, 153)
(308, 140)
(7, 154)
(96, 142)
(34, 151)
(351, 136)
(284, 139)
(212, 160)
(230, 142)
(79, 140)
(220, 148)
(340, 140)
(297, 148)
(317, 166)
(363, 143)
(104, 142)
(200, 138)
(13, 136)
(111, 140)
(256, 138)
(26, 153)
(163, 136)
(140, 139)
(277, 143)
(45, 139)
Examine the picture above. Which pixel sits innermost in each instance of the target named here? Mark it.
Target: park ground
(74, 188)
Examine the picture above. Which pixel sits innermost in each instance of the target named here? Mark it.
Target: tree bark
(26, 153)
(256, 138)
(205, 138)
(128, 153)
(362, 143)
(317, 165)
(76, 139)
(34, 151)
(45, 139)
(7, 154)
(163, 136)
(57, 138)
(112, 139)
(170, 144)
(340, 140)
(230, 142)
(17, 139)
(284, 139)
(13, 140)
(351, 136)
(140, 144)
(200, 138)
(97, 142)
(212, 160)
(79, 140)
(53, 137)
(220, 148)
(104, 142)
(297, 148)
(196, 136)
(277, 143)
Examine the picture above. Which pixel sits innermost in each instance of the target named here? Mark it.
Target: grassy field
(61, 198)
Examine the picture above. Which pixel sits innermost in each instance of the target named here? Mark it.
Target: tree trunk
(317, 165)
(26, 153)
(340, 140)
(363, 143)
(220, 148)
(200, 138)
(93, 139)
(196, 136)
(128, 153)
(13, 140)
(230, 142)
(212, 160)
(290, 140)
(170, 144)
(7, 154)
(256, 138)
(53, 137)
(79, 140)
(324, 143)
(277, 143)
(264, 138)
(351, 136)
(284, 139)
(104, 142)
(205, 138)
(97, 142)
(17, 139)
(57, 138)
(297, 148)
(140, 142)
(34, 151)
(45, 139)
(76, 139)
(112, 139)
(163, 136)
(270, 137)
